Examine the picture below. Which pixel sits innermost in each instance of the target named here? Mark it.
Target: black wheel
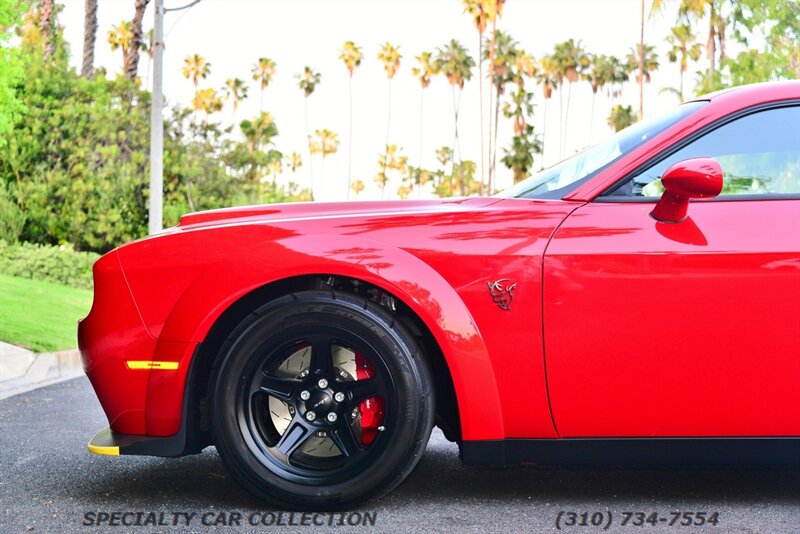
(321, 400)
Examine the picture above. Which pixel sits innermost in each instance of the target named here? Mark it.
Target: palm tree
(263, 72)
(477, 9)
(456, 64)
(137, 40)
(390, 56)
(424, 72)
(390, 160)
(357, 187)
(621, 117)
(695, 11)
(501, 52)
(325, 143)
(46, 25)
(548, 79)
(683, 49)
(494, 9)
(598, 74)
(645, 61)
(641, 65)
(89, 37)
(207, 101)
(121, 37)
(274, 169)
(259, 131)
(196, 68)
(294, 161)
(571, 60)
(236, 91)
(307, 81)
(618, 73)
(351, 55)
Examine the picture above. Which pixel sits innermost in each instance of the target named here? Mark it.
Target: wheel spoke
(321, 357)
(296, 434)
(361, 390)
(345, 440)
(281, 388)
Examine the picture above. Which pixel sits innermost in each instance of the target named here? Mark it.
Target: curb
(22, 370)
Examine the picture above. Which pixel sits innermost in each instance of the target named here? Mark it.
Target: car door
(689, 329)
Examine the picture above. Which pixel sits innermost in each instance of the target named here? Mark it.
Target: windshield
(562, 178)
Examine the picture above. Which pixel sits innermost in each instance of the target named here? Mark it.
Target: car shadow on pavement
(441, 472)
(200, 480)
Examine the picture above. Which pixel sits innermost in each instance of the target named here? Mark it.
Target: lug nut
(322, 384)
(305, 395)
(311, 416)
(332, 417)
(339, 397)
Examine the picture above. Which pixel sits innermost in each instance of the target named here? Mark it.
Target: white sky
(232, 34)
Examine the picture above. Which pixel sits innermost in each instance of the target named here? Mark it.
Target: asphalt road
(48, 482)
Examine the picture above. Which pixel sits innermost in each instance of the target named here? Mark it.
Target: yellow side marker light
(149, 364)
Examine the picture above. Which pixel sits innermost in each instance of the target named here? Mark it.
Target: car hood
(321, 210)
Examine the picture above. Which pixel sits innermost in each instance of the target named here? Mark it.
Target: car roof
(753, 94)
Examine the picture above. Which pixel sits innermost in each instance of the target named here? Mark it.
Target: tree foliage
(75, 169)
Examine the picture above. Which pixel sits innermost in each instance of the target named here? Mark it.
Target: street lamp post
(156, 210)
(155, 215)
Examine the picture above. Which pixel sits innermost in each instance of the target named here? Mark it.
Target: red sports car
(637, 303)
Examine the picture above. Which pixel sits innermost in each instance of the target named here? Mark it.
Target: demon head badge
(502, 292)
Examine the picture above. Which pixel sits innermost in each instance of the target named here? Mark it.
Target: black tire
(278, 467)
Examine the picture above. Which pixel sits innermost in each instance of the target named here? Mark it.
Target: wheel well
(204, 361)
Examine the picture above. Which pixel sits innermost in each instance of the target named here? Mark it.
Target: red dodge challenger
(638, 303)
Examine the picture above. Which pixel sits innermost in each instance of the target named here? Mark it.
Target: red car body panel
(660, 354)
(555, 364)
(440, 258)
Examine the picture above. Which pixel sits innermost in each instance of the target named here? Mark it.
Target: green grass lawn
(41, 316)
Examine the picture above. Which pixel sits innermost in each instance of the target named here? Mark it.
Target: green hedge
(61, 264)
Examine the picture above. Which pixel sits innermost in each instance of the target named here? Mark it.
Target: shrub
(11, 217)
(61, 264)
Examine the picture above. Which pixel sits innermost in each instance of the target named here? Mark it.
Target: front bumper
(139, 380)
(111, 335)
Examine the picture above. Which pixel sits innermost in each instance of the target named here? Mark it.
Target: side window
(759, 154)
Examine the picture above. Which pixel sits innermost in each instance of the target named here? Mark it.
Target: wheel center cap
(319, 402)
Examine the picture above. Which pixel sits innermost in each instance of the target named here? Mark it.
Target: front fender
(221, 281)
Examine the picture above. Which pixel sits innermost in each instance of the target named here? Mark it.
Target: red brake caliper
(371, 409)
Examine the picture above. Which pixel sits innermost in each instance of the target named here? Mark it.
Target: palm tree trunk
(480, 99)
(455, 123)
(388, 131)
(711, 49)
(322, 170)
(89, 37)
(566, 113)
(46, 27)
(132, 57)
(494, 145)
(310, 162)
(350, 140)
(261, 101)
(421, 115)
(641, 65)
(591, 117)
(491, 90)
(681, 86)
(561, 120)
(544, 128)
